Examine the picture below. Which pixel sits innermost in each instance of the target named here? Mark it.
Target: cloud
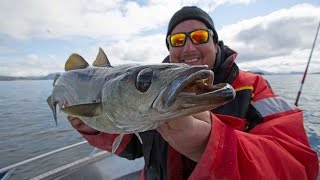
(31, 65)
(57, 19)
(134, 32)
(6, 50)
(295, 61)
(138, 49)
(119, 19)
(148, 49)
(284, 35)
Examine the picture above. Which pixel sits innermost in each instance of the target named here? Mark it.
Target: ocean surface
(28, 129)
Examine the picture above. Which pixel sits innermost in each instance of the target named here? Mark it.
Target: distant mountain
(51, 75)
(295, 72)
(261, 72)
(14, 78)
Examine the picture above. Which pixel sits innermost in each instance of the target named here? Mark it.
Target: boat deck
(97, 165)
(102, 166)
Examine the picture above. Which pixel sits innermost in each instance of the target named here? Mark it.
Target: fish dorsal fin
(101, 59)
(83, 110)
(116, 143)
(75, 61)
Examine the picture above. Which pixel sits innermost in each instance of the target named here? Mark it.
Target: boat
(98, 165)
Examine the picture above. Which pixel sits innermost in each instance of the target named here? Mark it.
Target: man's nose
(189, 45)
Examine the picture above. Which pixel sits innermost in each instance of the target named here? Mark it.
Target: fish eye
(144, 79)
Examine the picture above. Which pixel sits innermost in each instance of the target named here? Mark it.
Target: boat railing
(9, 170)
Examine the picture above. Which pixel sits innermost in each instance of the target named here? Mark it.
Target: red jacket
(256, 136)
(278, 148)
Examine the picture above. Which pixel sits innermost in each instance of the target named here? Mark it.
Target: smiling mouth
(189, 61)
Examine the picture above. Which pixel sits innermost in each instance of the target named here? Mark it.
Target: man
(258, 135)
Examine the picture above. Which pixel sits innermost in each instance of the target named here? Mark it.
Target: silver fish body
(120, 107)
(134, 98)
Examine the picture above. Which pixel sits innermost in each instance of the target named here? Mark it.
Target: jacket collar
(225, 69)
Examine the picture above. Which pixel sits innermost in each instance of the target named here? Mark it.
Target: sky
(38, 36)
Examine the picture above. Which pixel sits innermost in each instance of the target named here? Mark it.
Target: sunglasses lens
(177, 40)
(199, 36)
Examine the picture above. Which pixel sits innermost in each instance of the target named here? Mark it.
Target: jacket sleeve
(129, 147)
(277, 149)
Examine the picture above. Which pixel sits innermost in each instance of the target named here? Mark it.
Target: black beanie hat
(191, 12)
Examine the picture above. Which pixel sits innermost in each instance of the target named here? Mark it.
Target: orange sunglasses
(198, 36)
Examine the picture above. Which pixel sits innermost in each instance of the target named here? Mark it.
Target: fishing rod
(306, 70)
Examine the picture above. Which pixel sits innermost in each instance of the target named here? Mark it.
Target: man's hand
(80, 126)
(188, 135)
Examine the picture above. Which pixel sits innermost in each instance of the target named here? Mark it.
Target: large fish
(134, 98)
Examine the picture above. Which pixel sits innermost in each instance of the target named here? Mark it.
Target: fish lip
(218, 95)
(168, 96)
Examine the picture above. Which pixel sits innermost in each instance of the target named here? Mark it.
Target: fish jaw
(194, 93)
(219, 95)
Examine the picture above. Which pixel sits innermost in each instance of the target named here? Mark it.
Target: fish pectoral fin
(83, 110)
(116, 143)
(75, 61)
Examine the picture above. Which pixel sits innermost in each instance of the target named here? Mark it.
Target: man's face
(201, 54)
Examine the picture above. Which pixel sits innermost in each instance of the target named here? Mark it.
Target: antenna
(306, 70)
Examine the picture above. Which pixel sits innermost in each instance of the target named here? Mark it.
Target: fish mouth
(194, 89)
